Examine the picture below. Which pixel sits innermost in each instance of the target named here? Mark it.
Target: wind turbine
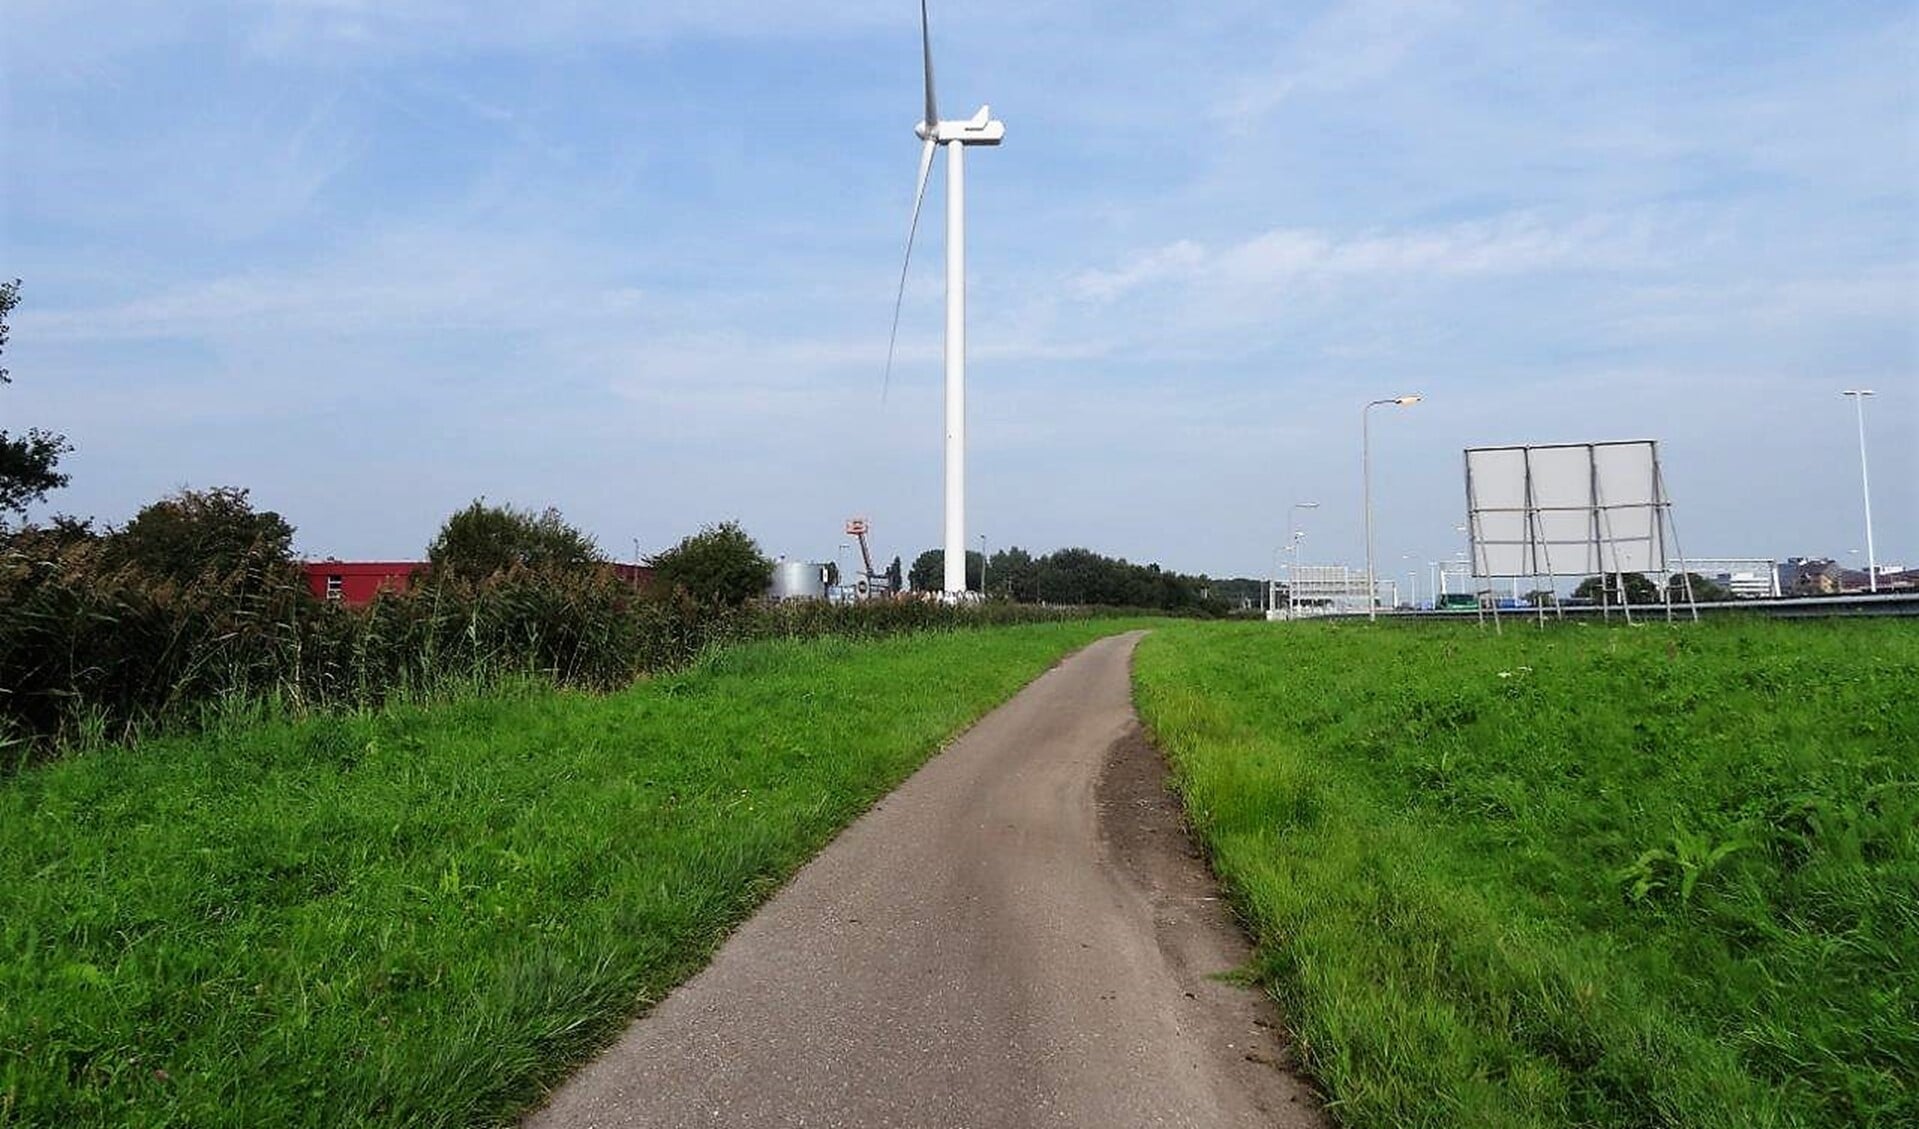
(980, 129)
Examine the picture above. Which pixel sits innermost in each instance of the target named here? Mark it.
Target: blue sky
(374, 258)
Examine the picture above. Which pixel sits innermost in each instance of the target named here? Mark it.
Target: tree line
(1083, 577)
(196, 607)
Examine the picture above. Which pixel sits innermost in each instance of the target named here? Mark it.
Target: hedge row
(91, 652)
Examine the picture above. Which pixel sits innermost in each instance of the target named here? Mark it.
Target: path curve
(1020, 935)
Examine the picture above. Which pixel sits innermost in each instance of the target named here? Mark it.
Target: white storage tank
(798, 580)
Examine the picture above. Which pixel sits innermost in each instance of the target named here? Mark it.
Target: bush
(481, 541)
(195, 532)
(720, 565)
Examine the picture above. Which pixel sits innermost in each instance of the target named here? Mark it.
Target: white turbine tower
(980, 129)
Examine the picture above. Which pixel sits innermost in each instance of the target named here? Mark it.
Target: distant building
(1747, 585)
(1898, 578)
(1811, 576)
(1325, 590)
(1823, 576)
(637, 575)
(355, 583)
(1745, 578)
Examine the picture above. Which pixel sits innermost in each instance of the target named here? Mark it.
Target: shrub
(482, 541)
(720, 565)
(195, 532)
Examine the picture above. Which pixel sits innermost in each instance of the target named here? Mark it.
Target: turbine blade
(926, 47)
(919, 198)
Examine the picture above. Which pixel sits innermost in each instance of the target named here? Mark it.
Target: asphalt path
(1020, 935)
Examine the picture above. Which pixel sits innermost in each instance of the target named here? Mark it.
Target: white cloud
(1506, 246)
(1356, 43)
(79, 39)
(1175, 260)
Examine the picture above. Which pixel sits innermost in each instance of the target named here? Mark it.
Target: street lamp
(1294, 534)
(1292, 574)
(982, 566)
(1272, 579)
(1865, 483)
(1466, 573)
(1366, 489)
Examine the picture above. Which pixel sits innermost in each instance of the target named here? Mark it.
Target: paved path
(1020, 935)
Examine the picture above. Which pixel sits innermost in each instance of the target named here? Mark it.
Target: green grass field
(423, 916)
(1593, 876)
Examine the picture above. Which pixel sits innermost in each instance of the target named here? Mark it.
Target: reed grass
(92, 653)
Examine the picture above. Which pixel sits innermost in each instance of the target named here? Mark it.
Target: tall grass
(1588, 876)
(94, 653)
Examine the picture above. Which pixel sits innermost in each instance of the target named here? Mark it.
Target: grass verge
(1587, 876)
(422, 916)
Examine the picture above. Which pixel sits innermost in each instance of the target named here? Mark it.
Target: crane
(856, 528)
(871, 582)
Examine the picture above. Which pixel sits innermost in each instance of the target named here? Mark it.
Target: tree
(1011, 573)
(1703, 591)
(482, 540)
(895, 578)
(27, 461)
(194, 532)
(719, 565)
(929, 571)
(1596, 589)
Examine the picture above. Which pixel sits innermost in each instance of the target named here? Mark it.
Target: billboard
(1566, 509)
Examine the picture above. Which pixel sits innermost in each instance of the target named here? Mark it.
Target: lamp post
(1467, 572)
(1291, 548)
(1272, 581)
(1865, 484)
(1294, 536)
(1366, 489)
(982, 566)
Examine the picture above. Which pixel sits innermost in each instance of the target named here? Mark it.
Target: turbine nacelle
(980, 129)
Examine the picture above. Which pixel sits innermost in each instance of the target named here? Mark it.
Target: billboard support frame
(1527, 528)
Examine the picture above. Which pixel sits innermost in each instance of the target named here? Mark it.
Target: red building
(638, 575)
(356, 582)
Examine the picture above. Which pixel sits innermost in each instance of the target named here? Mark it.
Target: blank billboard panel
(1565, 509)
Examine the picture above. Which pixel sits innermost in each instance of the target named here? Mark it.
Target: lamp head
(1404, 401)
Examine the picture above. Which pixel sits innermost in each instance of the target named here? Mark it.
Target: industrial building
(357, 583)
